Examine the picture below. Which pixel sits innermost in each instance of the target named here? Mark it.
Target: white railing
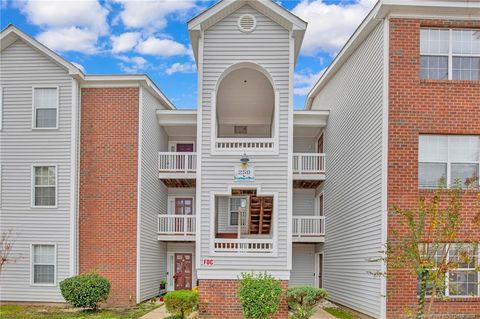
(248, 245)
(242, 222)
(177, 162)
(176, 224)
(308, 226)
(308, 163)
(244, 144)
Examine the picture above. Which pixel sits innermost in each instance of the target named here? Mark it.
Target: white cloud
(78, 65)
(151, 15)
(304, 81)
(132, 64)
(69, 39)
(330, 25)
(161, 47)
(124, 42)
(181, 68)
(68, 25)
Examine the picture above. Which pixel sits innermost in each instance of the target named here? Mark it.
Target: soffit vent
(240, 129)
(247, 23)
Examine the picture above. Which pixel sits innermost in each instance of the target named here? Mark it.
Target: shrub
(181, 302)
(302, 301)
(85, 291)
(259, 295)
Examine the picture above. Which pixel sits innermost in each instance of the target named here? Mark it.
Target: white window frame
(449, 162)
(450, 54)
(230, 211)
(447, 275)
(32, 263)
(34, 112)
(33, 186)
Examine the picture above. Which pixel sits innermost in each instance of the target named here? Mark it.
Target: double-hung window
(43, 264)
(450, 54)
(236, 206)
(455, 159)
(45, 108)
(44, 186)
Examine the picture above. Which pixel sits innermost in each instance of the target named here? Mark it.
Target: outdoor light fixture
(244, 159)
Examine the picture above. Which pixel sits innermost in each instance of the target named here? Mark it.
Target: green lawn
(46, 312)
(339, 313)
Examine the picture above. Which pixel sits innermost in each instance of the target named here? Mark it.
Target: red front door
(183, 271)
(185, 147)
(183, 206)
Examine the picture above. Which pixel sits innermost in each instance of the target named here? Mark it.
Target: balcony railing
(308, 226)
(243, 246)
(176, 224)
(177, 162)
(309, 163)
(244, 144)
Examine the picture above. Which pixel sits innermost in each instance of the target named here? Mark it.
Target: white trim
(55, 265)
(291, 65)
(175, 142)
(74, 176)
(247, 15)
(233, 274)
(32, 186)
(139, 190)
(34, 113)
(385, 132)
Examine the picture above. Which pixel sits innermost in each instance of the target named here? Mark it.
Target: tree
(425, 241)
(7, 240)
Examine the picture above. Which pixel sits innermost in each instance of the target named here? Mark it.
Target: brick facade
(424, 107)
(108, 188)
(219, 300)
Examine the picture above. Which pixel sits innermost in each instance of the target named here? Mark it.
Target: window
(237, 204)
(463, 280)
(43, 264)
(45, 106)
(45, 186)
(454, 159)
(449, 54)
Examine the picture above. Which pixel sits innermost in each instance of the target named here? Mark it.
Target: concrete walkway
(161, 313)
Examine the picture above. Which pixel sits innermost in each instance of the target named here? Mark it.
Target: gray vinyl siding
(225, 45)
(304, 144)
(303, 265)
(303, 202)
(22, 67)
(153, 200)
(353, 186)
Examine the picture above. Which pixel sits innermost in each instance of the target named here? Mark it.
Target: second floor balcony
(177, 169)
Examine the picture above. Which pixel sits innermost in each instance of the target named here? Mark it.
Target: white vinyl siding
(153, 200)
(304, 202)
(353, 187)
(225, 45)
(45, 107)
(21, 69)
(454, 159)
(303, 265)
(43, 259)
(1, 107)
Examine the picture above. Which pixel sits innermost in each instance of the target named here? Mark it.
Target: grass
(339, 313)
(51, 312)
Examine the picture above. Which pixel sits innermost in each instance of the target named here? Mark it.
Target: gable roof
(11, 34)
(223, 8)
(447, 9)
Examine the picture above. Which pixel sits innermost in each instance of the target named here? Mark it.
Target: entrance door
(184, 147)
(183, 206)
(320, 270)
(183, 271)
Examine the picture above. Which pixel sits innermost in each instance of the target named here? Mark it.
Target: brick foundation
(424, 107)
(219, 300)
(108, 188)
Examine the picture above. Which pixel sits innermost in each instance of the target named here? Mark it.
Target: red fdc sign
(208, 262)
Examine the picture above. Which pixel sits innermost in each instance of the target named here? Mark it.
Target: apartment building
(102, 172)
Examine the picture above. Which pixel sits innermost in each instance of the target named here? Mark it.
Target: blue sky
(150, 36)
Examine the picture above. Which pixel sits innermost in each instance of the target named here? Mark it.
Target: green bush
(85, 291)
(302, 301)
(181, 302)
(259, 295)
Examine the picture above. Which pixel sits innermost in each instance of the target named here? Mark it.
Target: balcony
(308, 169)
(177, 169)
(308, 228)
(243, 246)
(176, 227)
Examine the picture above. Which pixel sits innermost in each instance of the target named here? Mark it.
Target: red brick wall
(424, 107)
(108, 188)
(219, 300)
